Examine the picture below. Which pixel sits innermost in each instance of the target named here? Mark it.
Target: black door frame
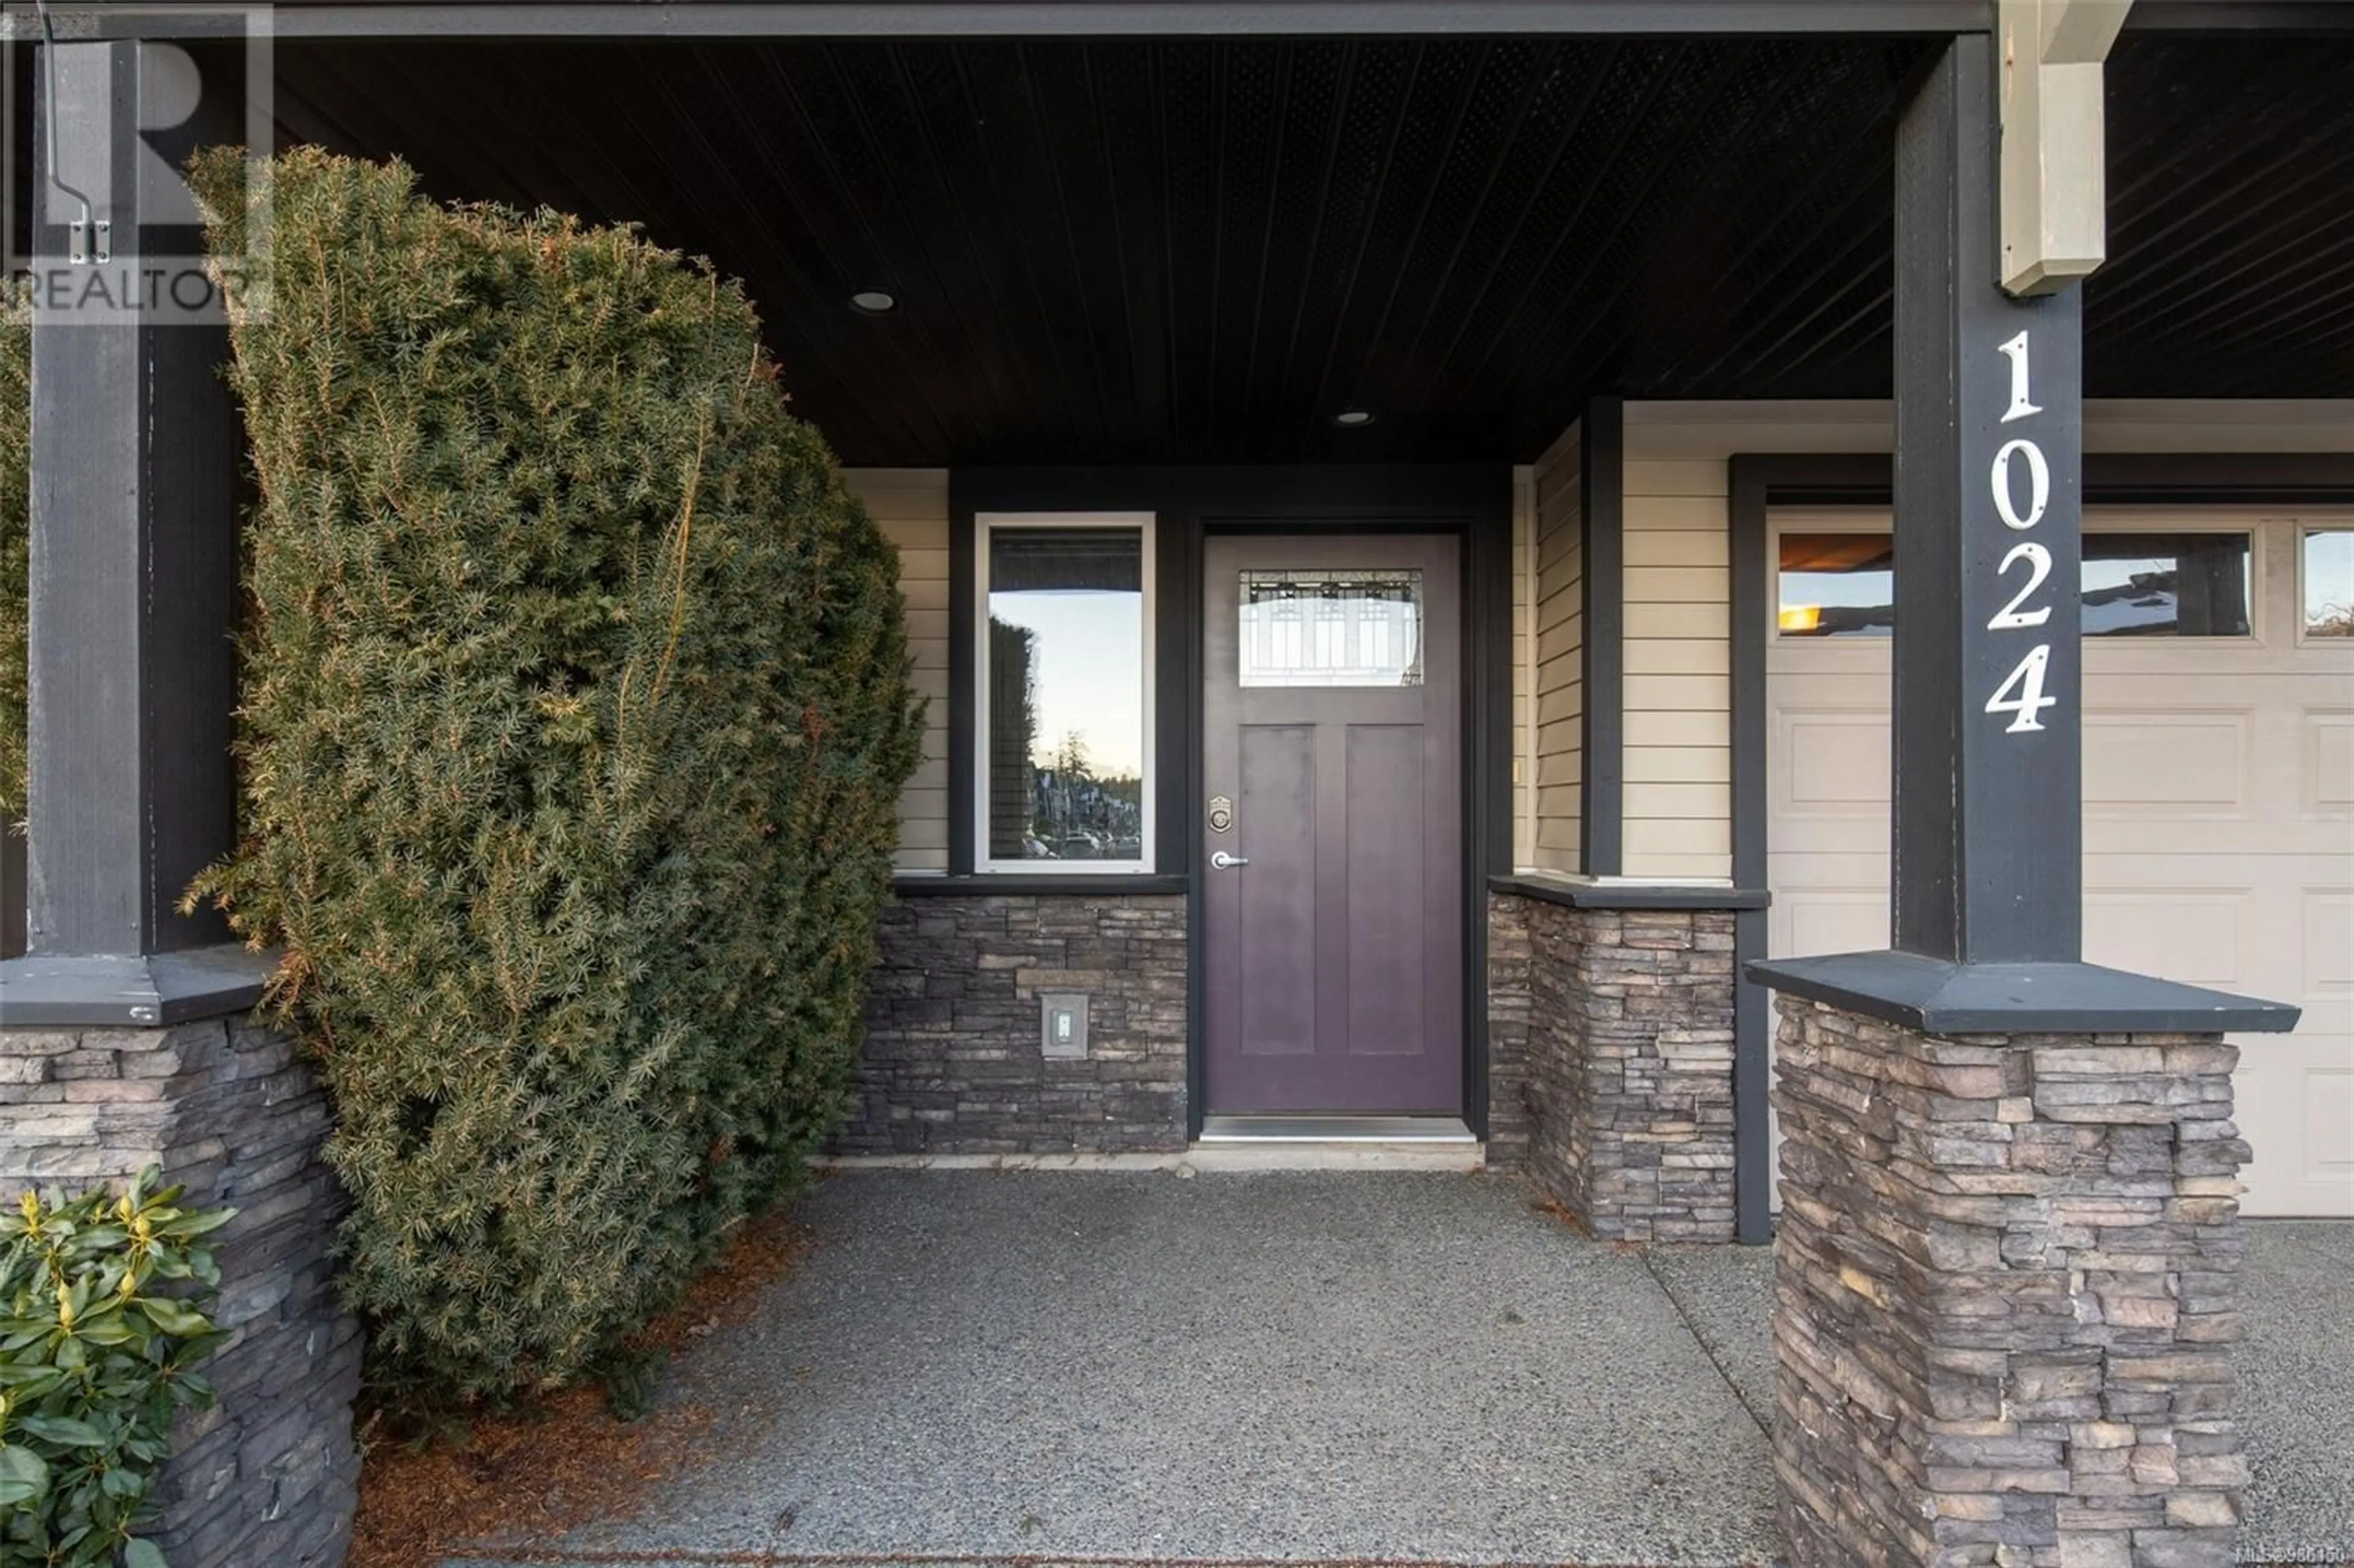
(1471, 502)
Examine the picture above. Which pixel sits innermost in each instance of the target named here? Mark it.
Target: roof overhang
(451, 19)
(454, 19)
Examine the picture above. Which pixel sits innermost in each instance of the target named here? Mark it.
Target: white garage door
(2218, 784)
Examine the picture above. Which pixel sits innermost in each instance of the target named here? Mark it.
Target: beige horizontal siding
(1677, 759)
(911, 506)
(1557, 658)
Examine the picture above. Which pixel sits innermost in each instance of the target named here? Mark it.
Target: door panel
(1333, 946)
(1276, 952)
(1387, 952)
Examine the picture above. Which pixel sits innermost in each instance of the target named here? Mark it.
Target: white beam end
(2053, 173)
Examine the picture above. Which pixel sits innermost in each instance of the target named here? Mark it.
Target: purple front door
(1333, 826)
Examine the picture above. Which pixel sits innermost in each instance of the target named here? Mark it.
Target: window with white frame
(1064, 782)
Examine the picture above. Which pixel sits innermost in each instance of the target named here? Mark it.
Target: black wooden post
(134, 588)
(1602, 610)
(1989, 457)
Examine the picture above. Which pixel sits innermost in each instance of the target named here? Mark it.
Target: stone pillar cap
(138, 990)
(1938, 996)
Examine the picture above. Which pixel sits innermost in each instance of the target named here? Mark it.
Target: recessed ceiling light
(875, 301)
(1353, 416)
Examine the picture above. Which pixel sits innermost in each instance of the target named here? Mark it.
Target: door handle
(1223, 861)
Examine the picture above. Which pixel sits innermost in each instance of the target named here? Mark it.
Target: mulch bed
(561, 1459)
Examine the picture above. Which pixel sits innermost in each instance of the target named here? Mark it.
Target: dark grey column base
(232, 1110)
(2005, 1292)
(142, 992)
(1939, 997)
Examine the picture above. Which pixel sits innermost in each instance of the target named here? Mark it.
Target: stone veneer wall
(952, 1063)
(1613, 1031)
(268, 1474)
(2005, 1293)
(1509, 1025)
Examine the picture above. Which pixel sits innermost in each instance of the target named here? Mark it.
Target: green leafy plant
(575, 710)
(104, 1297)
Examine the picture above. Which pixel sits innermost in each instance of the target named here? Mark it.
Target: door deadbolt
(1222, 813)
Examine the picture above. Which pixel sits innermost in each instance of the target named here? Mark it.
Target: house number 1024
(2020, 458)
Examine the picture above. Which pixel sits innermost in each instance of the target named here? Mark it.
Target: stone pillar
(1611, 1010)
(2006, 1291)
(267, 1474)
(1509, 1025)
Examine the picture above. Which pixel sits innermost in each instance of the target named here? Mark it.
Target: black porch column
(2006, 1268)
(1989, 455)
(133, 600)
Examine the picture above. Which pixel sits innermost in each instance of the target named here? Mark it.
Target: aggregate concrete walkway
(1320, 1366)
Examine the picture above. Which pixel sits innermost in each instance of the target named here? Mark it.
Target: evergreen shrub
(101, 1325)
(575, 712)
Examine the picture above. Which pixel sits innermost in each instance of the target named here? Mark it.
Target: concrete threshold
(1335, 1129)
(1292, 1154)
(1317, 1154)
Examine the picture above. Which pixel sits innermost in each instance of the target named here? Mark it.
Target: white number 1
(2015, 352)
(2028, 681)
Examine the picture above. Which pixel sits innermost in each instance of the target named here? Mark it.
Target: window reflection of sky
(1089, 673)
(1863, 590)
(2113, 605)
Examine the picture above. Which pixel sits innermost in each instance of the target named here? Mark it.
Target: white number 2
(2028, 682)
(2039, 567)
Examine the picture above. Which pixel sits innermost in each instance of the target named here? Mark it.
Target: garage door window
(2330, 583)
(1838, 585)
(2133, 585)
(2165, 585)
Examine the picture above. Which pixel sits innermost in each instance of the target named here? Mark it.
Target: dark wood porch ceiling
(1199, 251)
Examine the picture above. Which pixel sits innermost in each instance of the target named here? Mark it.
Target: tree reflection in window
(1065, 662)
(2328, 572)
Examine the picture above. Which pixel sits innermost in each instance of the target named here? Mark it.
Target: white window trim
(983, 523)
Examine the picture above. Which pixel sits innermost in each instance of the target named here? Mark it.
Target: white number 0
(2028, 680)
(2039, 567)
(2039, 485)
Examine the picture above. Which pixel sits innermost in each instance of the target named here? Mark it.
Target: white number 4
(2027, 682)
